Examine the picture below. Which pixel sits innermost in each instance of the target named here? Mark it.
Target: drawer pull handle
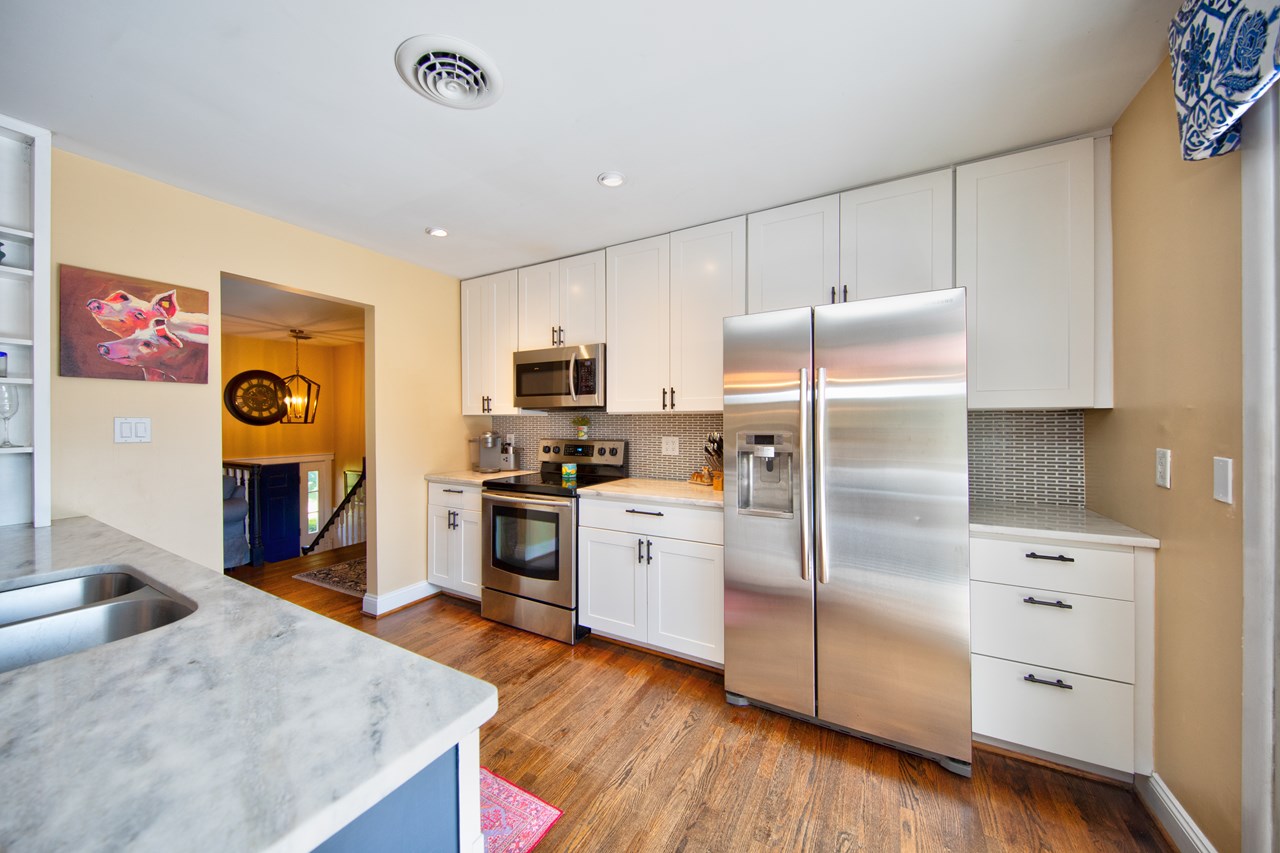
(454, 491)
(1031, 599)
(1061, 558)
(1056, 683)
(644, 512)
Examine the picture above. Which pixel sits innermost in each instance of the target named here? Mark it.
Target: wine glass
(8, 408)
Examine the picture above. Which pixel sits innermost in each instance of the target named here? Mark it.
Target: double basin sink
(48, 620)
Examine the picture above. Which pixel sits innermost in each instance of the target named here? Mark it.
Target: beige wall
(348, 428)
(167, 492)
(1178, 386)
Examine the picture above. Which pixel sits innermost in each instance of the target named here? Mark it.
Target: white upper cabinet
(1025, 250)
(488, 340)
(668, 297)
(562, 303)
(896, 238)
(638, 355)
(794, 258)
(708, 283)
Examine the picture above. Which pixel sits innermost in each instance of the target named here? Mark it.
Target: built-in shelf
(17, 342)
(15, 380)
(15, 272)
(6, 450)
(7, 233)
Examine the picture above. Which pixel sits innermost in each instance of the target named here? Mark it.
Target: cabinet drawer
(693, 523)
(1094, 636)
(1096, 570)
(1091, 722)
(452, 495)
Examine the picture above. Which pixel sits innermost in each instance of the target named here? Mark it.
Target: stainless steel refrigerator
(847, 519)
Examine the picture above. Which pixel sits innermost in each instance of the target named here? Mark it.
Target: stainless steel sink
(49, 598)
(100, 617)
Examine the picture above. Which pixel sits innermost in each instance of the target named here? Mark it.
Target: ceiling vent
(449, 71)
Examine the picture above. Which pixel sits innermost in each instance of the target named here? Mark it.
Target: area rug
(345, 577)
(512, 819)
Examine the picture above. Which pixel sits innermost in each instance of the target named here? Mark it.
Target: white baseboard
(376, 605)
(1162, 804)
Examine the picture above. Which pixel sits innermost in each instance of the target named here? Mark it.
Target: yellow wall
(240, 440)
(1178, 386)
(167, 492)
(348, 428)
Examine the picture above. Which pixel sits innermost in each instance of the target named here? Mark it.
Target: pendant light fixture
(304, 394)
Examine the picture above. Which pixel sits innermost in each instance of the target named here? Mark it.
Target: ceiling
(254, 309)
(712, 109)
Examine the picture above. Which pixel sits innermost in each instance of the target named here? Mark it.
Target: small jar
(4, 364)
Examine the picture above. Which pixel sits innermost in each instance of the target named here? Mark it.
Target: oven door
(530, 545)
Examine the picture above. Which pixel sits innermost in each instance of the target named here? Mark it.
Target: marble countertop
(469, 478)
(249, 724)
(1075, 524)
(671, 491)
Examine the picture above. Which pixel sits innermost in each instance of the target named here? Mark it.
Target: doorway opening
(297, 486)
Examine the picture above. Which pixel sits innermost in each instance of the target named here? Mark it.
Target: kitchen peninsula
(250, 724)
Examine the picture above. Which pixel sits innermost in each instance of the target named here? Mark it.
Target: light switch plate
(133, 430)
(671, 445)
(1164, 461)
(1222, 479)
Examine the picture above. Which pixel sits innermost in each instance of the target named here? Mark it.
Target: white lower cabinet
(662, 591)
(453, 539)
(1057, 638)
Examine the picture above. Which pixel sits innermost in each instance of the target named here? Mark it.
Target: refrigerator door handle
(806, 484)
(819, 487)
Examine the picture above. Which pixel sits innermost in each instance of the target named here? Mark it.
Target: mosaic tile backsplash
(1024, 456)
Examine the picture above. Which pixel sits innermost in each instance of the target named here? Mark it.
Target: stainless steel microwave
(560, 377)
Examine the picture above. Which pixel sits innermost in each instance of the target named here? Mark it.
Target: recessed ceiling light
(611, 179)
(437, 232)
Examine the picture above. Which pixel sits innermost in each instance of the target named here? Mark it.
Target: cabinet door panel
(639, 299)
(1025, 253)
(708, 283)
(505, 335)
(686, 598)
(467, 543)
(612, 596)
(476, 316)
(438, 536)
(794, 259)
(539, 302)
(896, 238)
(582, 299)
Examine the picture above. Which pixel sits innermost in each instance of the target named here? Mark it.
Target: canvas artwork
(118, 327)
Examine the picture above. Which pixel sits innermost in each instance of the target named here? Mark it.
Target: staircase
(347, 524)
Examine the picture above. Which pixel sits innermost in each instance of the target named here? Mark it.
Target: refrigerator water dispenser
(765, 468)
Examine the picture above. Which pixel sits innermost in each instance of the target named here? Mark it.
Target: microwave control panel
(584, 374)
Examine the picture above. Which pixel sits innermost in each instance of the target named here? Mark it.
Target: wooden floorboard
(644, 754)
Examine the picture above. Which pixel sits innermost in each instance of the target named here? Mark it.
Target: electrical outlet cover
(670, 445)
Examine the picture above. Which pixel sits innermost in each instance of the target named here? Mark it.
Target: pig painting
(161, 332)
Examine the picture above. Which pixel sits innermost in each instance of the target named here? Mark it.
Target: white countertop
(1074, 524)
(249, 724)
(671, 491)
(469, 478)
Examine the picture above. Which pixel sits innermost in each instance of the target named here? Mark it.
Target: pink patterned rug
(512, 819)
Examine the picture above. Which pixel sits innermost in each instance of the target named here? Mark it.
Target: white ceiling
(712, 109)
(254, 309)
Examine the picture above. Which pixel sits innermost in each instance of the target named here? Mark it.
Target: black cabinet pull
(561, 338)
(1031, 599)
(639, 550)
(553, 335)
(1056, 683)
(846, 292)
(673, 398)
(454, 491)
(649, 549)
(664, 399)
(833, 295)
(1061, 558)
(644, 512)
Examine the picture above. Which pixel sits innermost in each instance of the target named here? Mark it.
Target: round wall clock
(256, 397)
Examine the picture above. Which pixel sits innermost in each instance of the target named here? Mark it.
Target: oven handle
(521, 499)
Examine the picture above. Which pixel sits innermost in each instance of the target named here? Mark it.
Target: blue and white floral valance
(1225, 56)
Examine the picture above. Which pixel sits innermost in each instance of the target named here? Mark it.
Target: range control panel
(597, 451)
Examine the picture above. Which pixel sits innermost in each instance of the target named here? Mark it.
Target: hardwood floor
(644, 754)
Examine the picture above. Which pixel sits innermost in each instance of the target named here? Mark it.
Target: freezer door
(892, 597)
(768, 596)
